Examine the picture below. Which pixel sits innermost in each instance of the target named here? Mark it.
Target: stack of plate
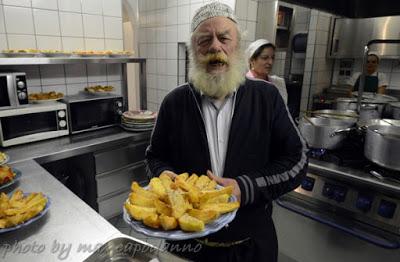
(140, 120)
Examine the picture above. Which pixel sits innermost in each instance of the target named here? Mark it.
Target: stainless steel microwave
(32, 123)
(13, 90)
(91, 112)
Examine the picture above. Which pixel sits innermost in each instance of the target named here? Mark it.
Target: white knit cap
(254, 46)
(212, 10)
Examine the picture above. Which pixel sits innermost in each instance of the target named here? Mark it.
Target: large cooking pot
(395, 108)
(346, 103)
(324, 132)
(336, 114)
(382, 146)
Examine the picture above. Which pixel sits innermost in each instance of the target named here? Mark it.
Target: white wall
(63, 25)
(165, 23)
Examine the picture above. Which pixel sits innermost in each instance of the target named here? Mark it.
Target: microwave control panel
(21, 89)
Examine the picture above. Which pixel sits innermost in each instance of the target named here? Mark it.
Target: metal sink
(129, 249)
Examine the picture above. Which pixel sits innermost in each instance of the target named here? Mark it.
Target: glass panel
(4, 99)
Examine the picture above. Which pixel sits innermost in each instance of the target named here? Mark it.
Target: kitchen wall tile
(74, 89)
(395, 79)
(71, 24)
(161, 51)
(172, 51)
(181, 80)
(151, 81)
(151, 66)
(151, 35)
(97, 72)
(56, 88)
(117, 86)
(184, 14)
(172, 3)
(73, 43)
(196, 1)
(172, 34)
(2, 26)
(3, 41)
(35, 89)
(113, 44)
(151, 51)
(94, 43)
(113, 27)
(152, 106)
(112, 8)
(70, 5)
(152, 95)
(161, 35)
(183, 2)
(18, 20)
(323, 23)
(241, 9)
(193, 9)
(172, 67)
(252, 11)
(21, 41)
(93, 26)
(172, 82)
(251, 31)
(172, 16)
(92, 7)
(17, 2)
(313, 22)
(76, 74)
(143, 50)
(45, 4)
(162, 67)
(49, 42)
(396, 67)
(32, 75)
(46, 22)
(183, 33)
(142, 35)
(114, 72)
(52, 74)
(161, 95)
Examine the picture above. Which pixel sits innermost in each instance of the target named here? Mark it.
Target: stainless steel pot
(324, 132)
(378, 122)
(395, 108)
(369, 111)
(336, 114)
(345, 103)
(382, 146)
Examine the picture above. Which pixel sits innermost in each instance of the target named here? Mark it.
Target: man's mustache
(212, 58)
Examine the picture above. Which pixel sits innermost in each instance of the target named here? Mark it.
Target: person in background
(260, 56)
(375, 82)
(236, 130)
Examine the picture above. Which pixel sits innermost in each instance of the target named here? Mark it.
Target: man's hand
(171, 174)
(226, 182)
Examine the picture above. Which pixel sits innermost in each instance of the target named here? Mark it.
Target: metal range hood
(352, 8)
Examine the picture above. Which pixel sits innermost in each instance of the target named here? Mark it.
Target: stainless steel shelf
(67, 60)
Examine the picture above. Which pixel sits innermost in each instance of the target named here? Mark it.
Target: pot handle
(340, 131)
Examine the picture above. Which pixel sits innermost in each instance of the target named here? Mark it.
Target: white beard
(218, 85)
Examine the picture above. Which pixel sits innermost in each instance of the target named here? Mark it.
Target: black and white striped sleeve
(288, 164)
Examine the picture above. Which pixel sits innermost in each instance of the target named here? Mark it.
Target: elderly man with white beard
(234, 129)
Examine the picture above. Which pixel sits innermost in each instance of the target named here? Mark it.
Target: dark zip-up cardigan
(266, 153)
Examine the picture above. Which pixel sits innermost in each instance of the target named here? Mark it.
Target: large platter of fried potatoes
(21, 209)
(182, 208)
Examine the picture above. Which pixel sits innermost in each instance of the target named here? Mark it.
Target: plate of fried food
(4, 158)
(21, 52)
(45, 97)
(54, 53)
(184, 208)
(99, 90)
(8, 176)
(21, 209)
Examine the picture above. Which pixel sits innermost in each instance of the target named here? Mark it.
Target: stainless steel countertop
(67, 146)
(69, 224)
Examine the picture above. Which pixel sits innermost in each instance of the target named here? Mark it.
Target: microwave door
(7, 94)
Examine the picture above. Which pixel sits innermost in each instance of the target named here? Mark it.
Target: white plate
(17, 177)
(21, 54)
(29, 221)
(133, 129)
(210, 228)
(56, 54)
(6, 159)
(45, 101)
(99, 93)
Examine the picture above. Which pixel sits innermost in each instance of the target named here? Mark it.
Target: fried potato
(168, 223)
(162, 208)
(166, 181)
(152, 221)
(178, 204)
(140, 200)
(221, 207)
(190, 224)
(204, 215)
(192, 179)
(135, 187)
(138, 212)
(202, 181)
(193, 192)
(218, 199)
(157, 187)
(211, 185)
(183, 176)
(206, 195)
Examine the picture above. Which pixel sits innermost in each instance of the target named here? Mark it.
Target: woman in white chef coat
(375, 81)
(260, 56)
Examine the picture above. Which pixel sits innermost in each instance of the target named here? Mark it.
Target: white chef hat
(211, 10)
(254, 46)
